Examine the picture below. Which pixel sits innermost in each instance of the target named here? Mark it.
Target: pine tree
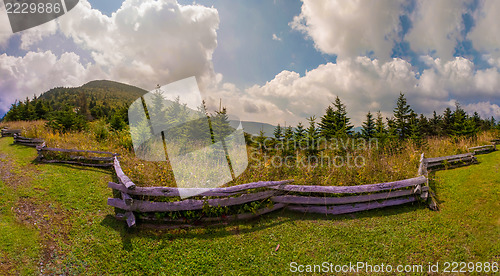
(380, 130)
(459, 121)
(401, 117)
(447, 122)
(369, 127)
(343, 122)
(261, 139)
(278, 132)
(299, 133)
(424, 126)
(415, 131)
(435, 125)
(312, 135)
(328, 123)
(288, 149)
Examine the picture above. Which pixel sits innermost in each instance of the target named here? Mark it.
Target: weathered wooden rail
(129, 199)
(10, 132)
(74, 157)
(146, 203)
(484, 149)
(459, 159)
(30, 142)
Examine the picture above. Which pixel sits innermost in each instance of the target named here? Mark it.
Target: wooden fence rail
(147, 202)
(10, 132)
(71, 157)
(483, 149)
(30, 142)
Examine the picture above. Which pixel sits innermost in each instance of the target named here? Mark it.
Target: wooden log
(163, 191)
(10, 132)
(315, 200)
(433, 204)
(27, 144)
(188, 204)
(418, 189)
(345, 209)
(174, 192)
(130, 219)
(121, 175)
(484, 149)
(127, 199)
(74, 150)
(27, 140)
(463, 160)
(448, 158)
(39, 147)
(105, 165)
(421, 167)
(103, 159)
(353, 189)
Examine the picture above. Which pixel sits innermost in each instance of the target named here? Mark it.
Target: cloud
(369, 84)
(484, 109)
(372, 28)
(351, 28)
(143, 43)
(38, 72)
(437, 26)
(485, 34)
(5, 29)
(276, 38)
(147, 42)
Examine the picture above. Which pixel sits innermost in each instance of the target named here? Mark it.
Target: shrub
(64, 121)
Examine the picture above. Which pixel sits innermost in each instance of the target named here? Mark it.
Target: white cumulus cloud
(351, 28)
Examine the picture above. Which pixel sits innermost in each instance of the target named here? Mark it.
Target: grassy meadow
(54, 220)
(344, 163)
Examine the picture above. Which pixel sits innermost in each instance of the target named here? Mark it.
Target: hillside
(100, 91)
(55, 220)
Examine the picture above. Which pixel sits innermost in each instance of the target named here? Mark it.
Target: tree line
(404, 124)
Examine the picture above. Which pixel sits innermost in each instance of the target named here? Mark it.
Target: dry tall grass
(368, 164)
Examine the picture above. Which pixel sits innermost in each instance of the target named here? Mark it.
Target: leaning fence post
(422, 170)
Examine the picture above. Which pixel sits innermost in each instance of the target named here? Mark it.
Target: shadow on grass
(164, 231)
(108, 171)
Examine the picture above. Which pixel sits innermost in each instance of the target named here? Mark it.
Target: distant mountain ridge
(111, 94)
(114, 93)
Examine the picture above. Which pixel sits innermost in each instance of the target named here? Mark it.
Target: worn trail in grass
(76, 232)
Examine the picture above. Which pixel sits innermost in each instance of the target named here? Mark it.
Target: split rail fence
(145, 203)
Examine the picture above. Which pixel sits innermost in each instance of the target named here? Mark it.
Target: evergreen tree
(335, 122)
(312, 135)
(344, 126)
(459, 121)
(369, 127)
(299, 135)
(41, 109)
(328, 123)
(415, 131)
(380, 130)
(300, 132)
(392, 131)
(288, 149)
(447, 125)
(401, 117)
(435, 125)
(261, 139)
(278, 132)
(424, 126)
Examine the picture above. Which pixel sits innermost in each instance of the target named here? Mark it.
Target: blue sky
(271, 61)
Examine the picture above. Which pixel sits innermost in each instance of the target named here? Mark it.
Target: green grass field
(54, 219)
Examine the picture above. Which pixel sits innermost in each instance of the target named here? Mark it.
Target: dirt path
(49, 219)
